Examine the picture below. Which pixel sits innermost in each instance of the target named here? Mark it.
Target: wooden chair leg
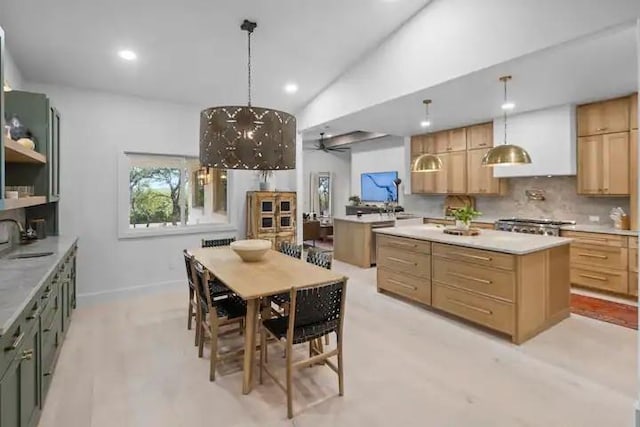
(340, 367)
(326, 339)
(214, 346)
(263, 352)
(190, 310)
(200, 336)
(198, 322)
(289, 391)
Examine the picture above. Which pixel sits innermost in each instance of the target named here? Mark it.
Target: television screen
(378, 187)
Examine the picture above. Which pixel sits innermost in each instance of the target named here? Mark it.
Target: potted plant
(355, 200)
(464, 216)
(265, 180)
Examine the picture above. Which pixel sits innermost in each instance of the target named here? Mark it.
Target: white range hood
(548, 135)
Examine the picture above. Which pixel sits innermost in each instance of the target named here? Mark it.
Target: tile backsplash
(561, 202)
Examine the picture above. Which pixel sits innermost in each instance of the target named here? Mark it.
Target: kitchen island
(353, 239)
(515, 284)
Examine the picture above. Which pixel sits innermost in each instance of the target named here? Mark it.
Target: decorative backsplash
(561, 202)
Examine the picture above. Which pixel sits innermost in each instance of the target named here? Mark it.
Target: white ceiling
(597, 67)
(193, 51)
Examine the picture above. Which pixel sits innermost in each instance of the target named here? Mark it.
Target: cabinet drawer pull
(482, 145)
(16, 342)
(590, 276)
(27, 355)
(469, 306)
(403, 244)
(462, 254)
(34, 314)
(593, 256)
(601, 129)
(404, 285)
(46, 295)
(402, 261)
(475, 279)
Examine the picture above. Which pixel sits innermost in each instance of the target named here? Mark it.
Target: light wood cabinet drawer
(475, 256)
(599, 256)
(410, 287)
(633, 283)
(485, 311)
(402, 261)
(419, 246)
(614, 281)
(600, 239)
(633, 242)
(633, 260)
(490, 282)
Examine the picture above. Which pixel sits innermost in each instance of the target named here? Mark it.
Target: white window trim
(124, 232)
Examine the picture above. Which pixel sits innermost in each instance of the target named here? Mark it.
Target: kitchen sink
(28, 255)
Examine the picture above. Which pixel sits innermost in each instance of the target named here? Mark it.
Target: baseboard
(91, 298)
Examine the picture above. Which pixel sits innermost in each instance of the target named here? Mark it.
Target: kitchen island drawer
(474, 256)
(494, 314)
(405, 244)
(487, 281)
(608, 280)
(600, 239)
(599, 256)
(402, 261)
(633, 283)
(414, 288)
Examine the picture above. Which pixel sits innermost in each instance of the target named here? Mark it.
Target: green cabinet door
(30, 379)
(10, 396)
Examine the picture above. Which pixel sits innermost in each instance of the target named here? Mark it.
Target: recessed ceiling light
(291, 88)
(508, 106)
(425, 123)
(127, 55)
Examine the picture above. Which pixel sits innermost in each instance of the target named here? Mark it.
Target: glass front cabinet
(271, 215)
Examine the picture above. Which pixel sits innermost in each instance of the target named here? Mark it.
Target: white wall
(12, 74)
(96, 128)
(379, 155)
(339, 164)
(452, 38)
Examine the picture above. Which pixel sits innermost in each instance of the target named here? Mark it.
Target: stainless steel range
(544, 227)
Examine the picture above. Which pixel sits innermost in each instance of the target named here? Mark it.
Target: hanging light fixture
(506, 154)
(247, 137)
(426, 162)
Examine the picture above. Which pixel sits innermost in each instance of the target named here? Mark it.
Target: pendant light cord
(249, 66)
(505, 112)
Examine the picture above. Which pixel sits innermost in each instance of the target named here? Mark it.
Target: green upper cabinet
(35, 112)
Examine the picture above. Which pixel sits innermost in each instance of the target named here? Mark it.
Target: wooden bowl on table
(251, 250)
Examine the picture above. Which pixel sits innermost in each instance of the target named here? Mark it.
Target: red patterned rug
(606, 311)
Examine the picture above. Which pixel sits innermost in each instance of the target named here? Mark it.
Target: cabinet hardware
(46, 330)
(404, 285)
(475, 279)
(483, 144)
(469, 306)
(593, 256)
(409, 245)
(482, 258)
(16, 342)
(47, 374)
(590, 276)
(601, 129)
(34, 313)
(46, 295)
(402, 261)
(27, 355)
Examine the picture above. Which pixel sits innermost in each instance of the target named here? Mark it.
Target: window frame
(126, 232)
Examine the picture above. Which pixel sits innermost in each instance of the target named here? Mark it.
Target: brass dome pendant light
(427, 162)
(247, 137)
(506, 154)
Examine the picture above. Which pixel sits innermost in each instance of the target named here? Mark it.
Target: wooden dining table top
(276, 273)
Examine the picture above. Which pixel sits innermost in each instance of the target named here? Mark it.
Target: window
(166, 193)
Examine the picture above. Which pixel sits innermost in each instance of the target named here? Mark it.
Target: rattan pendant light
(427, 162)
(506, 154)
(247, 137)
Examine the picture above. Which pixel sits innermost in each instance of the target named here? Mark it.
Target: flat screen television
(378, 187)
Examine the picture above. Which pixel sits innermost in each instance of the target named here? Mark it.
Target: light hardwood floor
(132, 363)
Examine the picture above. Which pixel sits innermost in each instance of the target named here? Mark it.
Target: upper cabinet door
(633, 177)
(416, 145)
(615, 163)
(634, 111)
(590, 165)
(480, 178)
(603, 117)
(456, 172)
(457, 139)
(480, 136)
(441, 141)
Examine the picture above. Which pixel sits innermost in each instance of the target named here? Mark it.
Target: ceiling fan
(322, 146)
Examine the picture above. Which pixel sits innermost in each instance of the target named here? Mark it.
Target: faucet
(17, 223)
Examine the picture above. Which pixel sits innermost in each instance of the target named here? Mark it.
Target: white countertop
(373, 218)
(490, 240)
(597, 228)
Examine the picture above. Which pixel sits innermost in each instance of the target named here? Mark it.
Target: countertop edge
(20, 308)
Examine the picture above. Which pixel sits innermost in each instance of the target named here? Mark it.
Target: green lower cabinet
(10, 396)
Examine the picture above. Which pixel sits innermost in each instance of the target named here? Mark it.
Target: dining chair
(214, 314)
(282, 300)
(321, 259)
(215, 243)
(290, 249)
(193, 303)
(314, 312)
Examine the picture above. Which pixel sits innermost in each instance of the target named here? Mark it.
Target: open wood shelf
(16, 153)
(22, 202)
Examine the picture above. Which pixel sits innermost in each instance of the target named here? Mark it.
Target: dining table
(275, 273)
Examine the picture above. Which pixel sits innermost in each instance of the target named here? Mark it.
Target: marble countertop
(597, 228)
(490, 240)
(482, 219)
(373, 218)
(21, 279)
